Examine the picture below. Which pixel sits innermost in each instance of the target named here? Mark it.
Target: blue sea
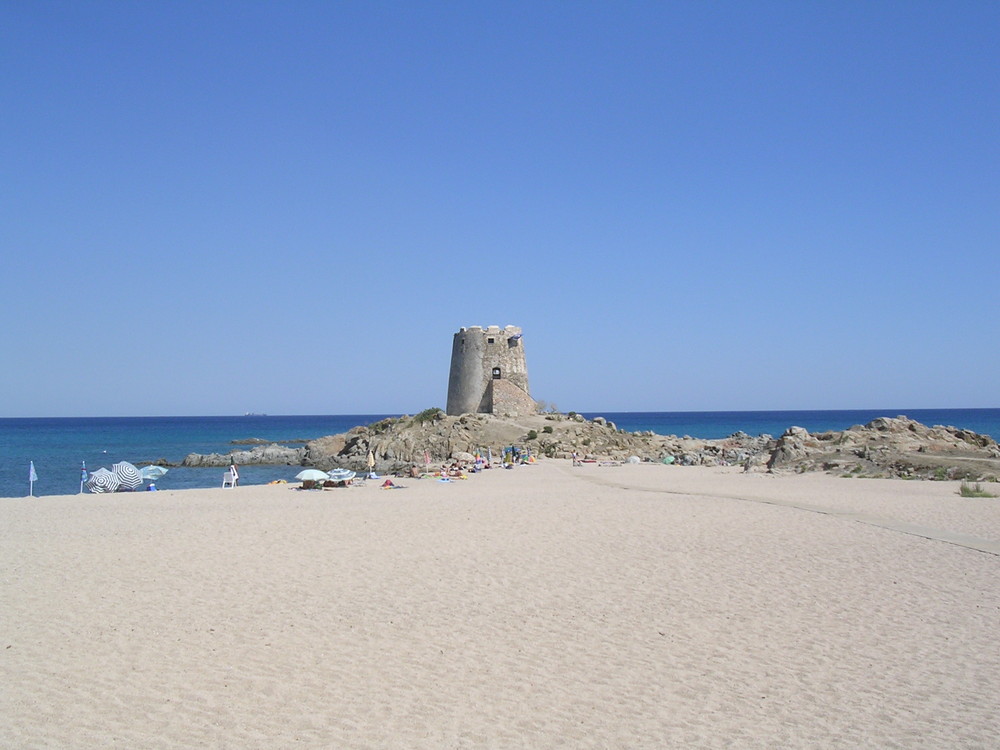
(58, 446)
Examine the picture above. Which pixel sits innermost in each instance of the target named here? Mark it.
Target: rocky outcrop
(896, 447)
(273, 453)
(890, 447)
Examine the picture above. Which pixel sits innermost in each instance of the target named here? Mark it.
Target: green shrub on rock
(428, 415)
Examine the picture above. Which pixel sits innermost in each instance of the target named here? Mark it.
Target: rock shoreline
(885, 447)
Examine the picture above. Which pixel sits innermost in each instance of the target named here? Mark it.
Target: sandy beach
(546, 606)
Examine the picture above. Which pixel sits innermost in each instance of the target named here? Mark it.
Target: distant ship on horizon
(254, 414)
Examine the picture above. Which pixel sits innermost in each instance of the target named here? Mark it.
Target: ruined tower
(488, 372)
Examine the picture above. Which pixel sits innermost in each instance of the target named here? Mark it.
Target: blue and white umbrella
(102, 480)
(341, 475)
(151, 473)
(128, 476)
(312, 475)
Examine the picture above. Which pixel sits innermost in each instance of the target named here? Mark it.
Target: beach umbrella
(312, 475)
(128, 476)
(102, 480)
(342, 475)
(151, 473)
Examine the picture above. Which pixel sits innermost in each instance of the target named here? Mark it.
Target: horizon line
(895, 411)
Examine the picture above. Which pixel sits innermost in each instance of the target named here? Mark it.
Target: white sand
(612, 607)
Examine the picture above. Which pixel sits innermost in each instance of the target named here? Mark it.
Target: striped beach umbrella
(102, 480)
(127, 475)
(341, 475)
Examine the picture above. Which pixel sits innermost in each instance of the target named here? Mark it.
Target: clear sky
(219, 207)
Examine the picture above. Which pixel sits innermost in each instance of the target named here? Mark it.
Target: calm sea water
(59, 445)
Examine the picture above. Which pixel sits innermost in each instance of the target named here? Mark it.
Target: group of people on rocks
(512, 455)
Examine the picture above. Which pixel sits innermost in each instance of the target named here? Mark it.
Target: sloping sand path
(935, 502)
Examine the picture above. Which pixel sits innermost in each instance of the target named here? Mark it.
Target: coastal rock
(399, 443)
(272, 454)
(890, 447)
(792, 447)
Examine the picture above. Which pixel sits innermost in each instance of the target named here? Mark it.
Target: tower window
(490, 340)
(496, 373)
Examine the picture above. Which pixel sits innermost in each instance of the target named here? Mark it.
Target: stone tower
(488, 372)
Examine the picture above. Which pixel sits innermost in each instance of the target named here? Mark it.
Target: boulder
(791, 448)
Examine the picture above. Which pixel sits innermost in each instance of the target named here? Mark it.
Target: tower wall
(476, 354)
(464, 380)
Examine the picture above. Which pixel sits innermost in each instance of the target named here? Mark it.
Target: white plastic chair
(228, 480)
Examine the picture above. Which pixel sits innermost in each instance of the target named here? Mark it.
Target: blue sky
(212, 208)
